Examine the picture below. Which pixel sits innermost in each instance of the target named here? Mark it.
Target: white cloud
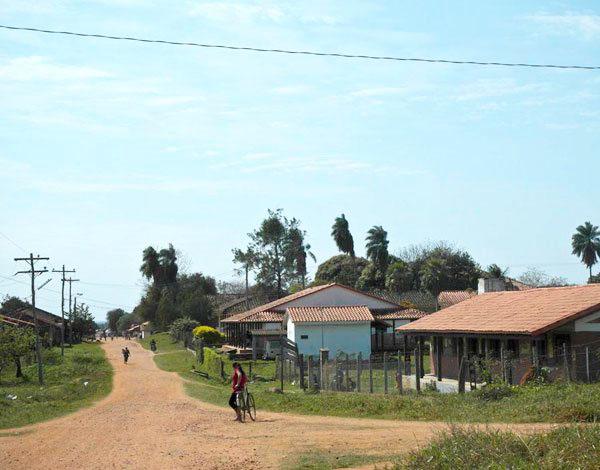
(41, 68)
(173, 100)
(570, 23)
(291, 90)
(488, 88)
(236, 12)
(379, 91)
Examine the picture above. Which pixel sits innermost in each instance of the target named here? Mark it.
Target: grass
(560, 402)
(164, 343)
(564, 448)
(64, 390)
(321, 460)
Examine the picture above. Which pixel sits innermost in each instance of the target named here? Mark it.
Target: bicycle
(245, 402)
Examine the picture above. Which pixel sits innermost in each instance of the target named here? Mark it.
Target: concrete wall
(351, 338)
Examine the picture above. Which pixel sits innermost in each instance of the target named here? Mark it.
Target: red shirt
(238, 381)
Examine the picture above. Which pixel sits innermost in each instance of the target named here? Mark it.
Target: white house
(339, 329)
(341, 319)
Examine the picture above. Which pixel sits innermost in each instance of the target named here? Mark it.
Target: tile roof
(268, 316)
(452, 297)
(527, 312)
(399, 314)
(330, 314)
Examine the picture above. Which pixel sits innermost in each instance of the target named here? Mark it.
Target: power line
(301, 52)
(13, 242)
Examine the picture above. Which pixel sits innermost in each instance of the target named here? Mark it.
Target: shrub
(212, 363)
(181, 327)
(494, 392)
(209, 335)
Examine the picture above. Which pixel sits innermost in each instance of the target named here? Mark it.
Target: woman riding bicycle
(238, 382)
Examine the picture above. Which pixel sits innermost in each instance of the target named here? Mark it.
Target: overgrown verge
(560, 402)
(83, 376)
(564, 448)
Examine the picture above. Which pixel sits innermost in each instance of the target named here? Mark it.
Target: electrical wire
(302, 52)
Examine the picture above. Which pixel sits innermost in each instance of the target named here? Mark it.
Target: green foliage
(15, 343)
(586, 244)
(494, 392)
(112, 318)
(377, 247)
(496, 272)
(398, 277)
(82, 323)
(167, 310)
(127, 321)
(564, 448)
(434, 275)
(182, 327)
(160, 266)
(64, 390)
(342, 269)
(371, 278)
(340, 231)
(164, 342)
(212, 364)
(209, 335)
(11, 304)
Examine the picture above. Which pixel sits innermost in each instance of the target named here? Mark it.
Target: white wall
(337, 296)
(350, 338)
(588, 323)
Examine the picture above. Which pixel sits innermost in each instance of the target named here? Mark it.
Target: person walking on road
(126, 354)
(238, 382)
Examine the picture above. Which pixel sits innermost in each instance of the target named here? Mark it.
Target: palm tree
(297, 251)
(586, 244)
(340, 232)
(496, 272)
(377, 247)
(167, 258)
(150, 266)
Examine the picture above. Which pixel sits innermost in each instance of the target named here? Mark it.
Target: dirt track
(149, 422)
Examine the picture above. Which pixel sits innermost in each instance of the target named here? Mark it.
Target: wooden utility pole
(70, 281)
(33, 272)
(62, 306)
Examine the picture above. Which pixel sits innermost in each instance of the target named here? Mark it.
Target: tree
(82, 322)
(496, 272)
(537, 278)
(160, 266)
(377, 247)
(434, 276)
(586, 244)
(342, 269)
(15, 342)
(296, 252)
(112, 317)
(150, 268)
(182, 327)
(127, 321)
(166, 311)
(11, 304)
(209, 335)
(398, 277)
(340, 231)
(247, 260)
(371, 278)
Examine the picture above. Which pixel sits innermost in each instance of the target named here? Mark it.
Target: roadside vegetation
(559, 402)
(564, 448)
(82, 377)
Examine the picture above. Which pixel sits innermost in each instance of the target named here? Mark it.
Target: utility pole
(33, 272)
(70, 281)
(62, 307)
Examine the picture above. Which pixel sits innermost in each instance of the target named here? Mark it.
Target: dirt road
(149, 422)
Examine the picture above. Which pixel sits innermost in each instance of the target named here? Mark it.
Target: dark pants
(233, 400)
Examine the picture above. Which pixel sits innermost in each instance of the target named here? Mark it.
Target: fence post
(301, 359)
(370, 375)
(222, 369)
(250, 370)
(502, 362)
(323, 357)
(418, 367)
(461, 375)
(566, 363)
(587, 364)
(385, 373)
(281, 362)
(399, 374)
(358, 367)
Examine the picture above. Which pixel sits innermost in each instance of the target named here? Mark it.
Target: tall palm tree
(586, 244)
(150, 265)
(340, 232)
(296, 251)
(167, 258)
(247, 259)
(377, 247)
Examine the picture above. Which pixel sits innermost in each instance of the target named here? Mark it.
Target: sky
(108, 146)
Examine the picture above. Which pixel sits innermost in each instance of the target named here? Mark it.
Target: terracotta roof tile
(399, 314)
(330, 314)
(268, 316)
(527, 312)
(452, 297)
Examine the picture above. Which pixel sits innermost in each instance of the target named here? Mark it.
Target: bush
(181, 327)
(209, 335)
(494, 392)
(212, 363)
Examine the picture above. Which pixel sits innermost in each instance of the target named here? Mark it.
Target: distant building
(50, 325)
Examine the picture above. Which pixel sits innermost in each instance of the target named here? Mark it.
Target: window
(303, 336)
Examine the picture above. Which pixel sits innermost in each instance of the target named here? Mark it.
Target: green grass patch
(560, 402)
(64, 390)
(565, 448)
(323, 460)
(164, 343)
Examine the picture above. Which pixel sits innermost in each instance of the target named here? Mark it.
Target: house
(557, 327)
(50, 325)
(350, 327)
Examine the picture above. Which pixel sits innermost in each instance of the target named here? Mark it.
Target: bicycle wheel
(241, 402)
(251, 407)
